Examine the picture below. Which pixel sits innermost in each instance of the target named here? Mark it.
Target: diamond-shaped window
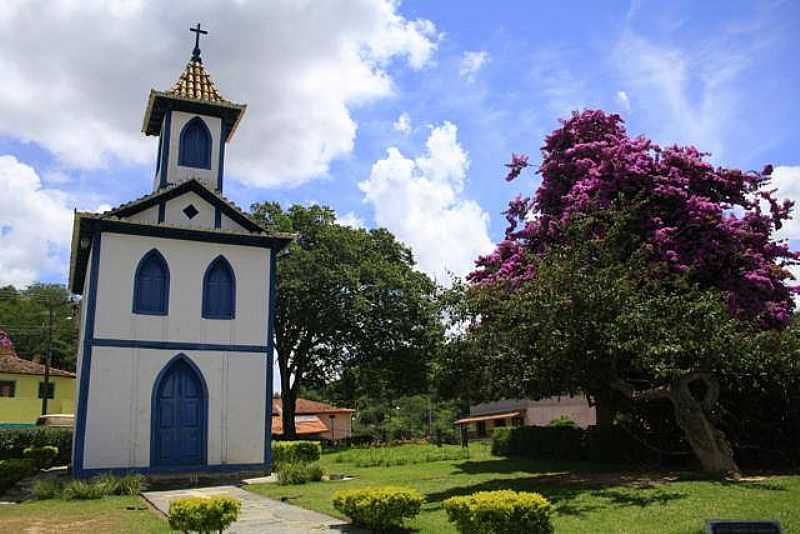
(190, 211)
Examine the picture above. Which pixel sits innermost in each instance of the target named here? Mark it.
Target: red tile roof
(12, 364)
(308, 407)
(489, 417)
(303, 427)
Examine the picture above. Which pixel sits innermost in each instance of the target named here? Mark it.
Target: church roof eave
(159, 102)
(86, 225)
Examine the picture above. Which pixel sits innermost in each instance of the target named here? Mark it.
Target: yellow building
(22, 387)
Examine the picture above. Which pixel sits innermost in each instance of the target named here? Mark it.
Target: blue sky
(327, 83)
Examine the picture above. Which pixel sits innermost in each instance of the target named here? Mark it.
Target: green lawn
(109, 514)
(588, 499)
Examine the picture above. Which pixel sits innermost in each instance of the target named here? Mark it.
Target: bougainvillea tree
(678, 228)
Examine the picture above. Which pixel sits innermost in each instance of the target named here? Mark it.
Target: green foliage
(203, 514)
(350, 306)
(24, 316)
(14, 441)
(46, 489)
(42, 457)
(401, 455)
(130, 484)
(501, 512)
(14, 470)
(562, 421)
(293, 452)
(405, 418)
(607, 445)
(298, 473)
(82, 490)
(379, 508)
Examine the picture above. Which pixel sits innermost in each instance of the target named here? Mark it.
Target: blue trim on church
(214, 468)
(165, 135)
(175, 345)
(223, 133)
(86, 360)
(273, 286)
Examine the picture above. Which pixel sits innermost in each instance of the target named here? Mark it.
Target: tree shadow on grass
(565, 483)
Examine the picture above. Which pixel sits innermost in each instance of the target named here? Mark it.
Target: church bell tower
(193, 122)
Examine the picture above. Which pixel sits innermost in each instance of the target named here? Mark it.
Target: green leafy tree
(25, 316)
(349, 303)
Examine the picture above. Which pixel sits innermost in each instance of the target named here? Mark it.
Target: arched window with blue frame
(219, 290)
(151, 285)
(195, 149)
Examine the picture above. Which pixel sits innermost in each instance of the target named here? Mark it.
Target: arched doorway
(179, 416)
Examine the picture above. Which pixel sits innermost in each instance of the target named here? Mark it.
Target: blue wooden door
(180, 417)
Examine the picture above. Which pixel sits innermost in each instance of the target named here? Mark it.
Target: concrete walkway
(259, 514)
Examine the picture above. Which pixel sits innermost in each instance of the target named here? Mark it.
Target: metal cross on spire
(196, 51)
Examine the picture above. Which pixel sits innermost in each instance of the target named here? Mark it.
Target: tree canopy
(349, 307)
(635, 273)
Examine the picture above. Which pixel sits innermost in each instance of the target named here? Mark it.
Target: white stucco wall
(120, 393)
(177, 173)
(187, 261)
(121, 379)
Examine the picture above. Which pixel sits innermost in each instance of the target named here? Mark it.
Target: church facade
(175, 350)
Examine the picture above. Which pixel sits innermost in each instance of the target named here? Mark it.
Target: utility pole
(49, 358)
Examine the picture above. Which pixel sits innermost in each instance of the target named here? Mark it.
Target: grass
(127, 514)
(588, 498)
(401, 455)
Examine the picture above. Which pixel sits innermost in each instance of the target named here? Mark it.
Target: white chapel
(175, 350)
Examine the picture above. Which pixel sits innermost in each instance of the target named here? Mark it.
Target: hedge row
(295, 452)
(596, 444)
(14, 441)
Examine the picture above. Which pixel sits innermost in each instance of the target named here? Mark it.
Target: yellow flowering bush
(500, 512)
(203, 514)
(379, 508)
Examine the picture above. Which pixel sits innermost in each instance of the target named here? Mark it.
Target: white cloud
(686, 96)
(471, 63)
(623, 100)
(421, 201)
(786, 179)
(403, 123)
(76, 80)
(35, 225)
(351, 219)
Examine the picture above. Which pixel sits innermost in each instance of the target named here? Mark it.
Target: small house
(315, 420)
(485, 417)
(22, 387)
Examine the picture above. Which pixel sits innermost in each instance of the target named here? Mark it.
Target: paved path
(259, 514)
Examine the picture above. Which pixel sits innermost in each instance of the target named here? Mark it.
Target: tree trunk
(605, 406)
(288, 401)
(708, 443)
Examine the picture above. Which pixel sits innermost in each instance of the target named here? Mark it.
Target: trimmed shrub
(378, 508)
(294, 452)
(563, 421)
(42, 457)
(14, 470)
(298, 473)
(82, 490)
(595, 444)
(14, 441)
(46, 489)
(106, 483)
(203, 514)
(501, 441)
(500, 512)
(130, 485)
